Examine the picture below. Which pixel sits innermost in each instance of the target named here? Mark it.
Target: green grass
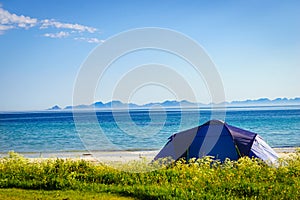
(197, 179)
(21, 194)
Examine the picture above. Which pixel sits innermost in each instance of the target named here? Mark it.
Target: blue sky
(255, 46)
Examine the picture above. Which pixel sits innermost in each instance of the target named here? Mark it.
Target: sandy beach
(118, 156)
(286, 151)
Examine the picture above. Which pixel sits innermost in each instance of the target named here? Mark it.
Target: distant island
(183, 104)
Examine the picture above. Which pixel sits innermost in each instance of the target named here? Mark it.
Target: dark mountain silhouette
(184, 104)
(56, 107)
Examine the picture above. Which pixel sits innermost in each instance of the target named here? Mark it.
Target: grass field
(21, 194)
(197, 179)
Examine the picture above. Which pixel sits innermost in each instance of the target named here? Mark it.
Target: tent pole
(237, 150)
(187, 154)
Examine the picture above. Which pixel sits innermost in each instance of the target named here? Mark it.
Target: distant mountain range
(184, 103)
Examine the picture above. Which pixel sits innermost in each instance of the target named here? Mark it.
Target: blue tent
(218, 139)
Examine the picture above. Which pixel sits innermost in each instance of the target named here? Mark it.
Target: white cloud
(12, 21)
(4, 28)
(89, 40)
(77, 27)
(60, 34)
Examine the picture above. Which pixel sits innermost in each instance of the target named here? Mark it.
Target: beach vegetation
(203, 178)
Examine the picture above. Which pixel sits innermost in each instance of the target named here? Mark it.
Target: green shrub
(196, 179)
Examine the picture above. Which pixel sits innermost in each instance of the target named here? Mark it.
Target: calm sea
(137, 129)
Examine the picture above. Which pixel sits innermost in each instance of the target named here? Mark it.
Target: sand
(117, 156)
(95, 156)
(285, 152)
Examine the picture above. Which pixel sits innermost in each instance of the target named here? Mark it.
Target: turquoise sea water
(143, 130)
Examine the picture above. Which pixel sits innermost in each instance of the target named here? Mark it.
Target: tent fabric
(218, 139)
(242, 138)
(178, 144)
(213, 140)
(260, 149)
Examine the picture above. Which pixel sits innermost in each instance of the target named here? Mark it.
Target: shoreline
(116, 155)
(285, 152)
